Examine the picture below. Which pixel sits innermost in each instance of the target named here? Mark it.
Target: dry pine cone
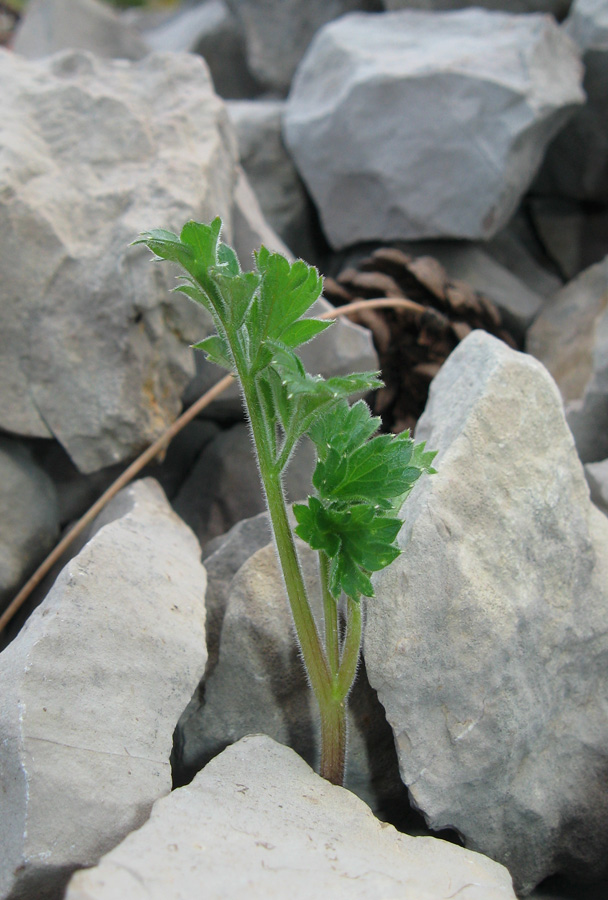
(412, 341)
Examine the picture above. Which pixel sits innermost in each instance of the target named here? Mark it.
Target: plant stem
(350, 648)
(333, 741)
(330, 610)
(306, 629)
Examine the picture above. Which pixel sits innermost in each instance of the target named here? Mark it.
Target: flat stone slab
(258, 823)
(92, 689)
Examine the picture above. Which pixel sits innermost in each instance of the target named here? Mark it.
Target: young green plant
(361, 478)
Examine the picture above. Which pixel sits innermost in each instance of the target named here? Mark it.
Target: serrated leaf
(227, 257)
(302, 331)
(286, 292)
(217, 351)
(357, 539)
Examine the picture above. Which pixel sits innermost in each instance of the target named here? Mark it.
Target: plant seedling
(361, 477)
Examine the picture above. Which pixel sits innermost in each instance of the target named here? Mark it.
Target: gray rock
(487, 637)
(250, 227)
(224, 487)
(92, 689)
(439, 124)
(597, 479)
(93, 349)
(572, 234)
(277, 33)
(271, 172)
(29, 511)
(558, 8)
(211, 29)
(49, 26)
(570, 337)
(575, 165)
(257, 822)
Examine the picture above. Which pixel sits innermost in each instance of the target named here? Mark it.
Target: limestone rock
(257, 822)
(439, 122)
(575, 165)
(48, 26)
(277, 33)
(570, 337)
(29, 512)
(93, 348)
(487, 636)
(92, 689)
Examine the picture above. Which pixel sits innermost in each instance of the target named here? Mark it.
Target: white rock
(258, 823)
(575, 165)
(411, 124)
(93, 348)
(570, 337)
(29, 512)
(48, 26)
(487, 637)
(92, 689)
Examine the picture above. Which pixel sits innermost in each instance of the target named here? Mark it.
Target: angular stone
(439, 124)
(570, 337)
(487, 638)
(29, 512)
(277, 33)
(92, 689)
(257, 822)
(49, 26)
(575, 165)
(271, 172)
(93, 348)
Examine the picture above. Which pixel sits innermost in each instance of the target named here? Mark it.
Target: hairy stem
(330, 610)
(333, 741)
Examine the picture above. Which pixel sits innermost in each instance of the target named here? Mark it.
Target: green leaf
(237, 292)
(286, 292)
(302, 331)
(357, 539)
(217, 351)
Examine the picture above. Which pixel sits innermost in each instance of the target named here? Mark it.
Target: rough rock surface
(487, 638)
(277, 33)
(92, 689)
(570, 337)
(29, 512)
(575, 165)
(257, 822)
(49, 26)
(93, 348)
(439, 123)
